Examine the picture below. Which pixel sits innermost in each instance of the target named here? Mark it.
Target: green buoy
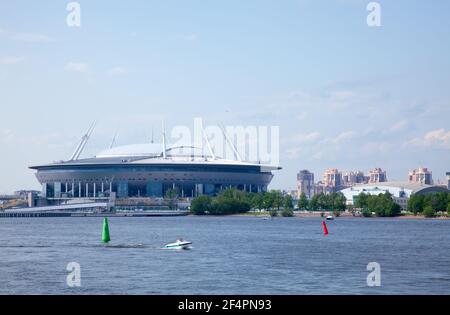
(105, 233)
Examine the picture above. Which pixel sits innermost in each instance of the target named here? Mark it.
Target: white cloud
(328, 99)
(117, 71)
(11, 60)
(438, 138)
(343, 136)
(6, 136)
(293, 153)
(318, 155)
(400, 125)
(32, 38)
(77, 67)
(302, 138)
(376, 147)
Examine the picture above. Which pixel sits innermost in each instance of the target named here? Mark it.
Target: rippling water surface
(230, 255)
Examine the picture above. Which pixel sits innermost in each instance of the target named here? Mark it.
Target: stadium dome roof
(133, 150)
(149, 150)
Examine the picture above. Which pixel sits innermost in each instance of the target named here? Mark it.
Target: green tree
(415, 203)
(268, 200)
(231, 201)
(257, 201)
(225, 205)
(431, 200)
(361, 201)
(288, 202)
(338, 201)
(324, 201)
(392, 210)
(172, 196)
(303, 202)
(383, 205)
(277, 199)
(314, 203)
(429, 212)
(201, 205)
(442, 201)
(448, 208)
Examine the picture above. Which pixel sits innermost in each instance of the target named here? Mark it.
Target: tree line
(382, 205)
(333, 202)
(429, 204)
(233, 201)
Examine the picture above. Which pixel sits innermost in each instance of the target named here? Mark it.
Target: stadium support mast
(113, 142)
(238, 156)
(153, 140)
(81, 146)
(164, 140)
(205, 136)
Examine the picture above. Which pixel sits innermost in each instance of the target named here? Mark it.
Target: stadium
(148, 170)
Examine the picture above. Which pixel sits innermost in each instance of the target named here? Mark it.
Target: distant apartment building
(448, 180)
(377, 175)
(353, 178)
(332, 178)
(421, 175)
(305, 183)
(292, 193)
(322, 188)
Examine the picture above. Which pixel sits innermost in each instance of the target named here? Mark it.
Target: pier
(87, 210)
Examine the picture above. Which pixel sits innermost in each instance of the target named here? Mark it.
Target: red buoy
(325, 229)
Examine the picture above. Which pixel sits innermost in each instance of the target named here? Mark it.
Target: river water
(230, 255)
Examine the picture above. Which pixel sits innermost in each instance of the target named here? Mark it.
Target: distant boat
(179, 244)
(330, 218)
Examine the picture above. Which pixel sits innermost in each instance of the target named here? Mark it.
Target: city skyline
(338, 179)
(345, 95)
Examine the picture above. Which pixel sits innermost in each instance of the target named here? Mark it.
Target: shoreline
(343, 215)
(264, 214)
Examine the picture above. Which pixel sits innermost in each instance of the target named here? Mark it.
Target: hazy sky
(344, 94)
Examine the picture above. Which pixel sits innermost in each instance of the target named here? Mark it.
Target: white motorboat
(179, 244)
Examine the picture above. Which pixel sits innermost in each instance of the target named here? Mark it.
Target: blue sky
(344, 94)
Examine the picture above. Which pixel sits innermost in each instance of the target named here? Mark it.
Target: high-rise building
(305, 183)
(448, 180)
(422, 175)
(377, 175)
(353, 178)
(332, 178)
(322, 188)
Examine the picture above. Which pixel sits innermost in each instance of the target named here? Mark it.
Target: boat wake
(25, 246)
(124, 246)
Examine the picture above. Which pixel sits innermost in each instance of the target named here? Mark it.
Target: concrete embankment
(92, 214)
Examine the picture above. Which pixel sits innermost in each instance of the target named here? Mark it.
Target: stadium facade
(148, 170)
